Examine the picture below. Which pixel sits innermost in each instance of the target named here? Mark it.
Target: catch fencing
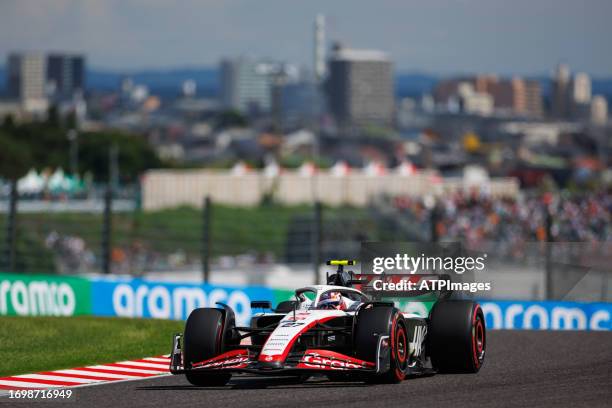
(279, 246)
(186, 239)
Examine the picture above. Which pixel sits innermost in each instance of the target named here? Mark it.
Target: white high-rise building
(580, 96)
(581, 88)
(27, 80)
(319, 47)
(599, 110)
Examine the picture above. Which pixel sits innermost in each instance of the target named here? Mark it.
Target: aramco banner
(50, 295)
(161, 300)
(41, 295)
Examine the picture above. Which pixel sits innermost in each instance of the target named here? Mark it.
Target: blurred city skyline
(443, 37)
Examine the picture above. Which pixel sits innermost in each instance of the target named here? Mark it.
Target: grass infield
(31, 344)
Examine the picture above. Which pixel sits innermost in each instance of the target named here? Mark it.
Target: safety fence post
(107, 230)
(548, 261)
(434, 219)
(206, 239)
(316, 238)
(11, 230)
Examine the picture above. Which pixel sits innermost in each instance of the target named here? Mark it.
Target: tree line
(42, 144)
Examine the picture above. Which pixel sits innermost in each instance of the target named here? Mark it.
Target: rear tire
(203, 339)
(457, 336)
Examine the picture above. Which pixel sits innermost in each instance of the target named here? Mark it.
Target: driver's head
(332, 300)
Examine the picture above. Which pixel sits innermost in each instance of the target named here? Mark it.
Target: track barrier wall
(40, 295)
(46, 295)
(547, 315)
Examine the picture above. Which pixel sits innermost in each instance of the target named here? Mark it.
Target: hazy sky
(438, 36)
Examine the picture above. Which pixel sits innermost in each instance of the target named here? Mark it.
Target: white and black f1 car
(333, 329)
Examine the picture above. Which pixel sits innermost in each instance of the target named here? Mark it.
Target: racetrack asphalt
(521, 369)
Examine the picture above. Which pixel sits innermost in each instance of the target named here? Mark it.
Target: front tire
(457, 336)
(383, 321)
(203, 339)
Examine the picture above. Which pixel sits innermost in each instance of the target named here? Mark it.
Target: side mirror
(261, 304)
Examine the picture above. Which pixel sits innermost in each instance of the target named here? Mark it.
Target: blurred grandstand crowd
(474, 218)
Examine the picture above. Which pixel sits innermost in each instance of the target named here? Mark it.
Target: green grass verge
(31, 344)
(234, 230)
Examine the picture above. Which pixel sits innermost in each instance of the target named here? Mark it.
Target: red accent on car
(232, 358)
(330, 360)
(477, 337)
(398, 372)
(401, 338)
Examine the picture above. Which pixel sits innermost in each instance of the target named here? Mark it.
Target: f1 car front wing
(310, 360)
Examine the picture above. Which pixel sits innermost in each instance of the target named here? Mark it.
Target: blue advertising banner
(547, 315)
(124, 297)
(161, 300)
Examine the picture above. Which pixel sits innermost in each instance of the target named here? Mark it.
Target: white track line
(164, 367)
(35, 377)
(158, 359)
(126, 369)
(97, 374)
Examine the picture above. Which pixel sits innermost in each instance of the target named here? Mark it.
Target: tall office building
(580, 96)
(26, 80)
(360, 87)
(319, 47)
(581, 88)
(65, 76)
(522, 97)
(533, 98)
(560, 107)
(599, 110)
(297, 100)
(246, 85)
